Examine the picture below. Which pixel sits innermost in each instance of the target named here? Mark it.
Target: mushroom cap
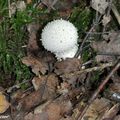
(59, 36)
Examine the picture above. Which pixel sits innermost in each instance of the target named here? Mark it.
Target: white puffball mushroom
(60, 37)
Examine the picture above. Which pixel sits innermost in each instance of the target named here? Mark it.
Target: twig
(116, 13)
(67, 75)
(100, 88)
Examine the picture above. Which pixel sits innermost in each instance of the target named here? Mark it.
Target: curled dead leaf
(4, 104)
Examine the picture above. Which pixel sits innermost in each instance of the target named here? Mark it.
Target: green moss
(81, 18)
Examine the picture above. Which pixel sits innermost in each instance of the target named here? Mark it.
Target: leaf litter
(56, 96)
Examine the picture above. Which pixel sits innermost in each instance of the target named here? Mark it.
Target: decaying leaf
(4, 104)
(108, 48)
(32, 116)
(106, 19)
(104, 58)
(29, 1)
(110, 114)
(19, 5)
(115, 87)
(59, 4)
(97, 109)
(38, 66)
(67, 66)
(52, 110)
(32, 46)
(56, 109)
(99, 5)
(114, 92)
(117, 117)
(50, 86)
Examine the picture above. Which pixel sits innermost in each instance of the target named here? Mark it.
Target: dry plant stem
(9, 8)
(67, 75)
(100, 88)
(116, 13)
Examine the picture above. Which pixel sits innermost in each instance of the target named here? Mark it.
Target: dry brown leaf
(59, 4)
(111, 47)
(99, 5)
(117, 117)
(106, 19)
(29, 1)
(54, 111)
(4, 104)
(114, 92)
(115, 87)
(50, 86)
(97, 109)
(32, 47)
(32, 116)
(38, 66)
(104, 58)
(110, 114)
(57, 109)
(70, 65)
(19, 5)
(67, 66)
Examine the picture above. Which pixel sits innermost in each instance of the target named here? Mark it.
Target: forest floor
(35, 85)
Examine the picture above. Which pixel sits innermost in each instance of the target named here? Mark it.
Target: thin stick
(100, 88)
(67, 75)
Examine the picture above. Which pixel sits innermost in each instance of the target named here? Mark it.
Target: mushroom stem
(67, 54)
